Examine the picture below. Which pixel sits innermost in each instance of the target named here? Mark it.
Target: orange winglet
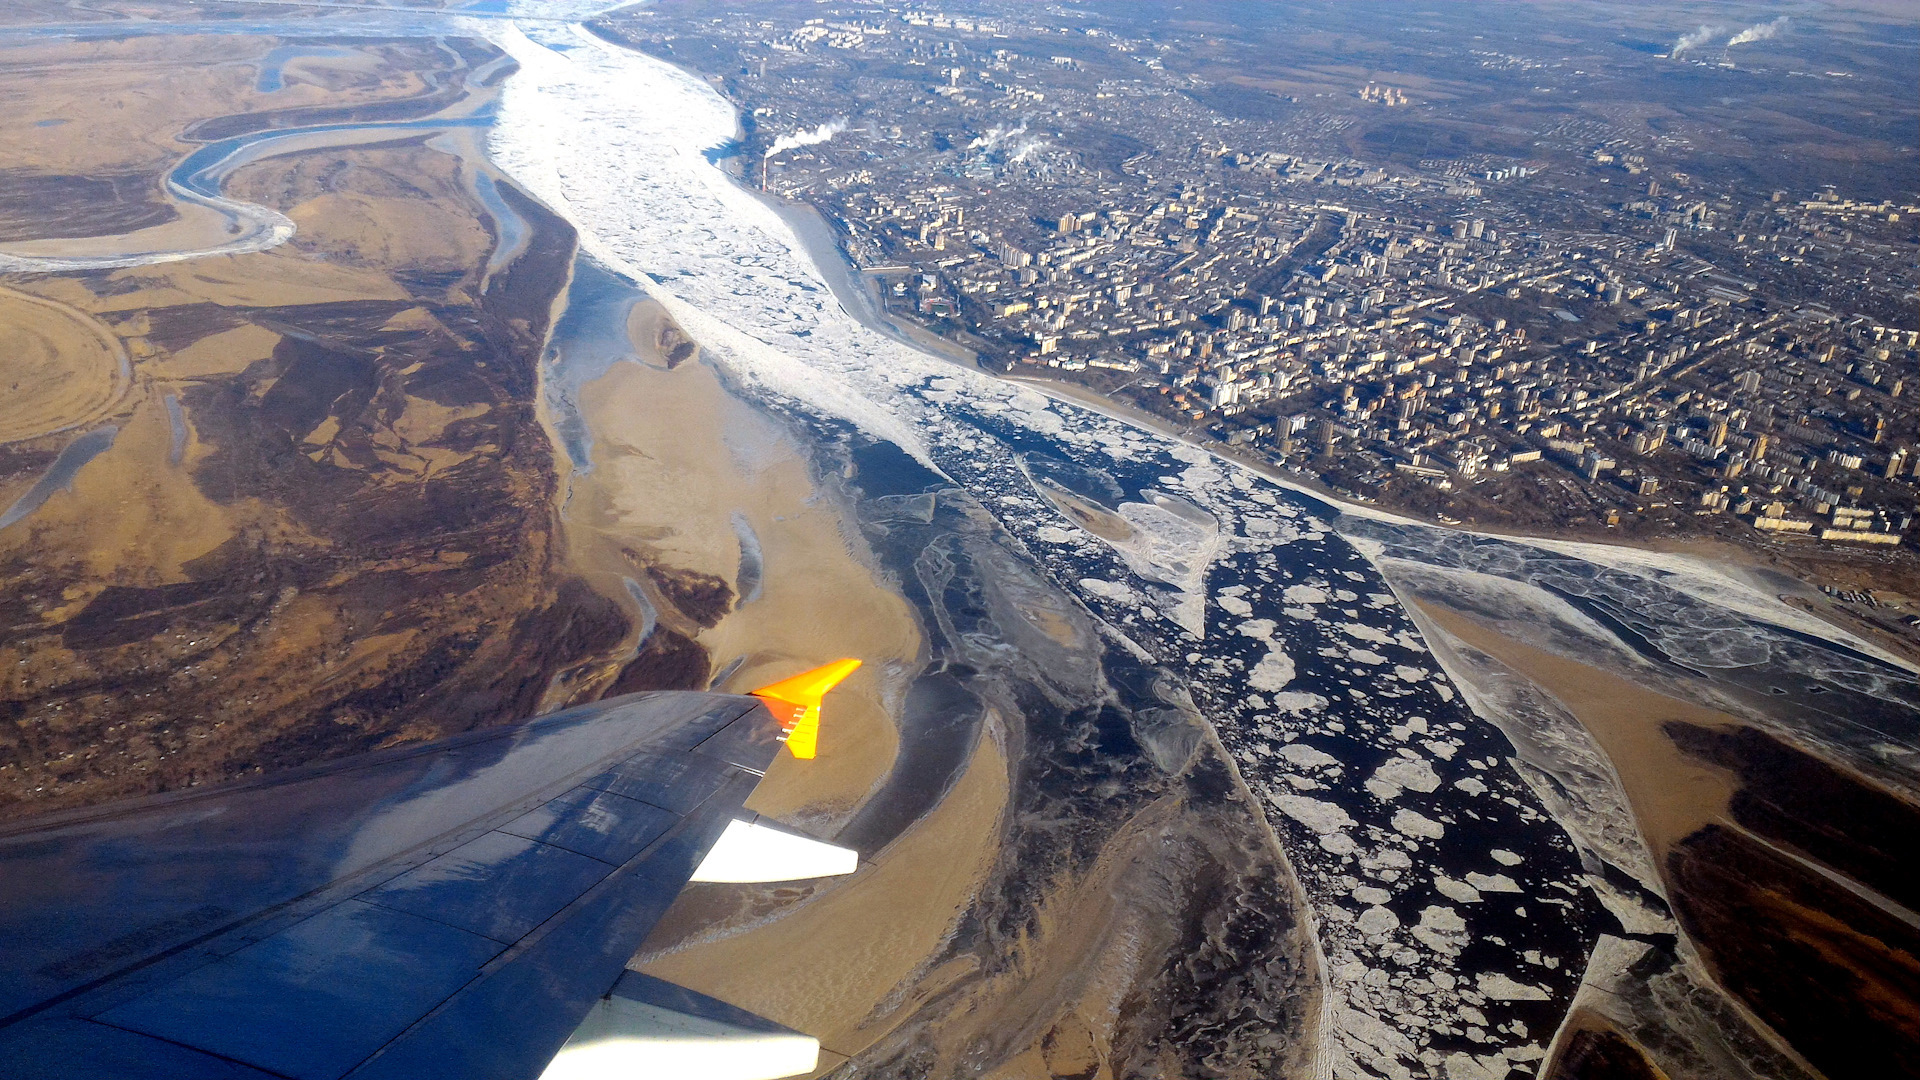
(795, 703)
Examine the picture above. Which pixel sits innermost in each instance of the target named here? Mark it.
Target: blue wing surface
(446, 910)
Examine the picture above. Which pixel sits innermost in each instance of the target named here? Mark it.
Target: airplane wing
(464, 908)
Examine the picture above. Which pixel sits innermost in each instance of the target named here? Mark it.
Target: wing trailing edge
(651, 1028)
(757, 851)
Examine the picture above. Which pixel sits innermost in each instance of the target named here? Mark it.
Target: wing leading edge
(454, 909)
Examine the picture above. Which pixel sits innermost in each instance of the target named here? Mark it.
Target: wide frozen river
(1456, 909)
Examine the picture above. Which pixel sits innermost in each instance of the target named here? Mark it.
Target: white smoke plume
(1760, 32)
(991, 141)
(1025, 149)
(1689, 42)
(811, 137)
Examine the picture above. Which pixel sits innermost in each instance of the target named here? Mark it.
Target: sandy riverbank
(680, 463)
(63, 367)
(1672, 794)
(834, 965)
(685, 475)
